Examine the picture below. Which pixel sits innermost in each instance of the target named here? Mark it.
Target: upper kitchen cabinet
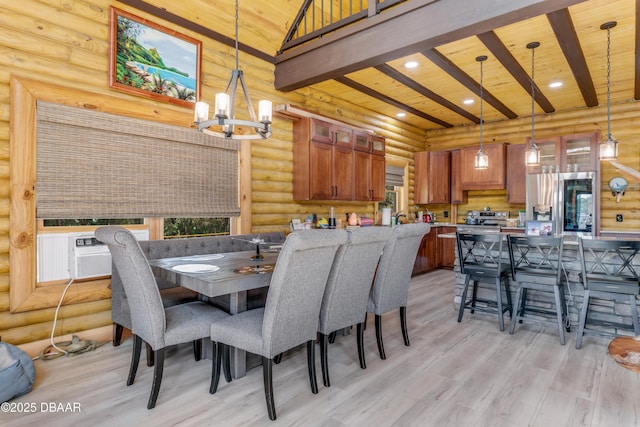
(432, 170)
(492, 178)
(323, 161)
(369, 167)
(458, 195)
(569, 153)
(336, 162)
(516, 174)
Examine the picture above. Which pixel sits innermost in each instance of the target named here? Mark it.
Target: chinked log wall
(67, 44)
(624, 126)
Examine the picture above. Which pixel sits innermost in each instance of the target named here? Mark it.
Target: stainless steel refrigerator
(569, 200)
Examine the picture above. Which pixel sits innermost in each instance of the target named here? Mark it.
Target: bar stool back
(608, 273)
(536, 263)
(480, 257)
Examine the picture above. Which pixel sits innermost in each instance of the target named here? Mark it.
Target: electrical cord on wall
(66, 348)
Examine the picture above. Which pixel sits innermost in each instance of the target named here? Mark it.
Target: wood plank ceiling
(444, 37)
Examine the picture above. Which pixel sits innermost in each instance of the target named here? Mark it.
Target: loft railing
(317, 18)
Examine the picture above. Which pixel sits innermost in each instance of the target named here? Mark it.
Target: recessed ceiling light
(468, 101)
(555, 84)
(411, 64)
(401, 114)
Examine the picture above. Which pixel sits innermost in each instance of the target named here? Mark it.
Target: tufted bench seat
(170, 292)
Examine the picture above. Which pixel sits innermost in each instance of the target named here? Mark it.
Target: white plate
(205, 257)
(196, 268)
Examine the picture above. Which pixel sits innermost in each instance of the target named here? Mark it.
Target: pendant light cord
(481, 116)
(237, 64)
(533, 52)
(608, 84)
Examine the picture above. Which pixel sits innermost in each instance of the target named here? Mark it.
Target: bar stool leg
(499, 303)
(523, 303)
(474, 296)
(508, 292)
(556, 294)
(517, 312)
(463, 300)
(565, 313)
(583, 318)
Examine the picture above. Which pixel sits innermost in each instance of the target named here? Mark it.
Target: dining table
(229, 274)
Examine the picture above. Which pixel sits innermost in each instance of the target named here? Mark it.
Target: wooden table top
(235, 272)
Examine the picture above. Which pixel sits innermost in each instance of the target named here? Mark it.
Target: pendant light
(224, 116)
(609, 146)
(481, 160)
(532, 155)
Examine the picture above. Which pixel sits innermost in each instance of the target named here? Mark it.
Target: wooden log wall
(67, 44)
(625, 126)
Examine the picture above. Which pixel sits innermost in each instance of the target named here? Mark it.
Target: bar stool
(608, 273)
(480, 257)
(536, 263)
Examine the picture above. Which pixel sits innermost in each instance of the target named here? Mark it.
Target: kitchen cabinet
(516, 174)
(492, 178)
(336, 162)
(369, 167)
(446, 248)
(458, 195)
(323, 161)
(432, 171)
(426, 258)
(568, 152)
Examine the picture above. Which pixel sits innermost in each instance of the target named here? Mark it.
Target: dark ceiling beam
(185, 23)
(400, 31)
(502, 54)
(467, 81)
(414, 85)
(384, 98)
(636, 91)
(562, 25)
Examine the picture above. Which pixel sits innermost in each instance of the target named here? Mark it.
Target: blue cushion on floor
(17, 372)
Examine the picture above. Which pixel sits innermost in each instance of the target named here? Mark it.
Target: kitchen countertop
(506, 230)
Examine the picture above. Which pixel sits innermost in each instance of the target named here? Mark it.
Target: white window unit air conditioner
(88, 257)
(76, 255)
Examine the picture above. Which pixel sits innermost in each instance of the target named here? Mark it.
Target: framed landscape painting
(147, 59)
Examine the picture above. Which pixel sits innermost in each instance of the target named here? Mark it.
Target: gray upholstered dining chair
(391, 284)
(159, 327)
(345, 298)
(290, 315)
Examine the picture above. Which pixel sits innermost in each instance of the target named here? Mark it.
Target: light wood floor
(453, 374)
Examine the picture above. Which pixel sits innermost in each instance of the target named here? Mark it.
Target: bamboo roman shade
(394, 176)
(92, 164)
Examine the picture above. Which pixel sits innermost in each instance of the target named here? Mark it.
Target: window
(391, 199)
(195, 227)
(25, 293)
(396, 190)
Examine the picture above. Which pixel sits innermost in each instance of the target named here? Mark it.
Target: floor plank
(453, 374)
